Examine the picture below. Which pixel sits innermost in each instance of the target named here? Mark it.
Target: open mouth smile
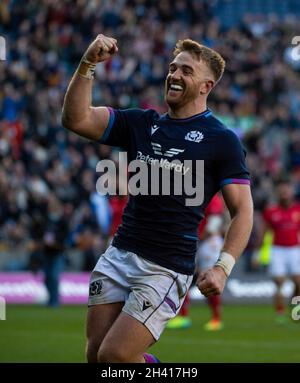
(175, 88)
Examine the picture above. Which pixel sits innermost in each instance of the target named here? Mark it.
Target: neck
(187, 110)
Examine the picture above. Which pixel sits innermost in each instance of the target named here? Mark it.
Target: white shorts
(284, 261)
(152, 294)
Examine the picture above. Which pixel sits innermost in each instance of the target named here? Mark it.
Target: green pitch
(38, 334)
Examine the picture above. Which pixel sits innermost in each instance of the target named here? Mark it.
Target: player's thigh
(126, 341)
(296, 279)
(99, 320)
(279, 281)
(294, 264)
(106, 300)
(107, 295)
(278, 266)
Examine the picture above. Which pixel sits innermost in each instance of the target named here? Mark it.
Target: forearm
(238, 233)
(77, 101)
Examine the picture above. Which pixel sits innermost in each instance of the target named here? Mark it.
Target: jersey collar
(206, 114)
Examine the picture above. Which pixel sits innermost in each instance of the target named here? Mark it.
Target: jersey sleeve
(231, 161)
(120, 126)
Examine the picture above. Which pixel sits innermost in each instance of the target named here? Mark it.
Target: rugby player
(140, 282)
(283, 220)
(207, 255)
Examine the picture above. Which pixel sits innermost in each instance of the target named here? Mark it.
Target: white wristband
(226, 261)
(86, 69)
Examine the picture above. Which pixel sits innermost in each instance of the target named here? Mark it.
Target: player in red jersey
(206, 256)
(283, 219)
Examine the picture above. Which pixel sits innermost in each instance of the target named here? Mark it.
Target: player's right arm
(78, 114)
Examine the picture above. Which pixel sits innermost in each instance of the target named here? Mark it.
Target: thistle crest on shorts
(96, 287)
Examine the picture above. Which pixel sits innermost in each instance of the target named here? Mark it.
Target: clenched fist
(212, 281)
(101, 49)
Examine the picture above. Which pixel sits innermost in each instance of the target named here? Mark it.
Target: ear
(206, 86)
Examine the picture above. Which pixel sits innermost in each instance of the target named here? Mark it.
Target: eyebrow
(184, 66)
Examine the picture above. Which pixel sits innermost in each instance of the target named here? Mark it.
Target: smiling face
(188, 80)
(285, 193)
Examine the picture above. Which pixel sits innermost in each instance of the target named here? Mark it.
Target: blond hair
(212, 59)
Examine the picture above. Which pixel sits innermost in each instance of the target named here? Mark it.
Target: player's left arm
(238, 200)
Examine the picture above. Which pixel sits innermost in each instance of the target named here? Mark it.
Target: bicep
(94, 124)
(238, 198)
(100, 119)
(97, 122)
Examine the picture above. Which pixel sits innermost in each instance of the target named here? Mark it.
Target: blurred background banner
(26, 288)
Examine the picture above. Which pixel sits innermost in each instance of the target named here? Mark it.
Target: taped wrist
(86, 68)
(226, 261)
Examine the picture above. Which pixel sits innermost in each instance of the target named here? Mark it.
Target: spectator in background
(38, 211)
(54, 237)
(86, 237)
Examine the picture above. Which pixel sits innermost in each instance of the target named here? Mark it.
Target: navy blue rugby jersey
(162, 228)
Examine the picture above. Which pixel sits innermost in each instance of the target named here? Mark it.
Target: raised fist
(101, 49)
(212, 281)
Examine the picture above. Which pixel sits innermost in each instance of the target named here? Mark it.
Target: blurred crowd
(48, 175)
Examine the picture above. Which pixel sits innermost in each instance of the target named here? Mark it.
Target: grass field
(38, 334)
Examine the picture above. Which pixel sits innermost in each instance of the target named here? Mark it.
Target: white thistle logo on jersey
(168, 153)
(154, 129)
(194, 135)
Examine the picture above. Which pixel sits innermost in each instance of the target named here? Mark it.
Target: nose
(176, 75)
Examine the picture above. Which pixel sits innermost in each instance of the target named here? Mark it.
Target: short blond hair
(213, 59)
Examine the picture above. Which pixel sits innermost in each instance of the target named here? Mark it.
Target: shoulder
(216, 123)
(224, 134)
(228, 144)
(228, 136)
(136, 113)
